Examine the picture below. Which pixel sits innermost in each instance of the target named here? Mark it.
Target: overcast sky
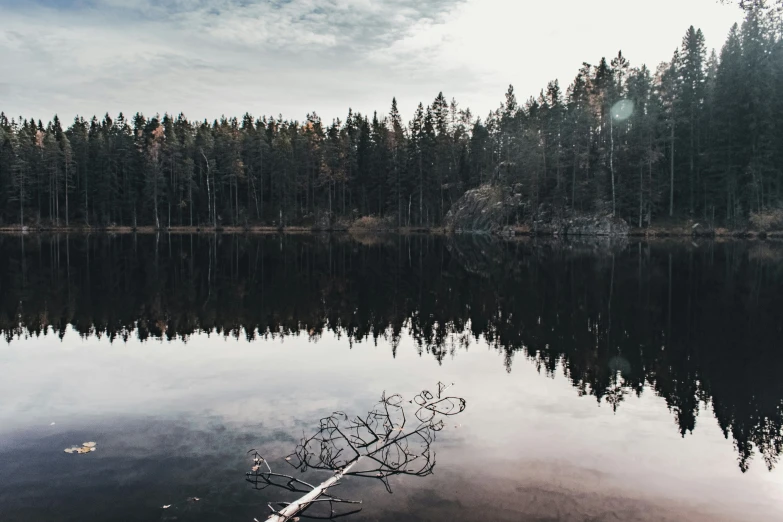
(212, 57)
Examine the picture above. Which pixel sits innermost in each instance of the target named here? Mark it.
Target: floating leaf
(86, 447)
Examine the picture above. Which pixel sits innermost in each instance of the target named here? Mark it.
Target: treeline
(701, 137)
(698, 326)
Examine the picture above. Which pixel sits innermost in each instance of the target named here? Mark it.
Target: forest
(698, 138)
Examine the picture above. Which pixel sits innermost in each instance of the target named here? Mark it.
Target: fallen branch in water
(381, 444)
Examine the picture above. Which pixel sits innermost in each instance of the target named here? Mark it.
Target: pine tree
(730, 123)
(397, 158)
(761, 91)
(668, 91)
(690, 104)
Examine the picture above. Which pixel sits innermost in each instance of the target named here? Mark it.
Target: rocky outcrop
(485, 209)
(495, 209)
(590, 226)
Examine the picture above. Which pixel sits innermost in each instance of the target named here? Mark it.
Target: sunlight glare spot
(622, 110)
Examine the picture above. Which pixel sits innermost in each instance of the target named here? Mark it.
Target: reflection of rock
(598, 246)
(489, 256)
(478, 254)
(484, 209)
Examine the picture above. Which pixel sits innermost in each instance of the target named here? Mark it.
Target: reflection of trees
(699, 326)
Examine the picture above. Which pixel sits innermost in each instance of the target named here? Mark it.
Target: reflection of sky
(198, 406)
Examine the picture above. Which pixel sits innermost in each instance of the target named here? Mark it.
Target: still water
(635, 381)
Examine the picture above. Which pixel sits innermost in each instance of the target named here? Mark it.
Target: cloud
(275, 24)
(528, 44)
(213, 57)
(202, 56)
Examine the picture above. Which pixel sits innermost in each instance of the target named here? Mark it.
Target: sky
(207, 58)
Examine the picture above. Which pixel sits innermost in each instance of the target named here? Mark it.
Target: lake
(603, 380)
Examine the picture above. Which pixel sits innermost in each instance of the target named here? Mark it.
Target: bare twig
(379, 445)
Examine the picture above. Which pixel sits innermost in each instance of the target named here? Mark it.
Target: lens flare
(622, 110)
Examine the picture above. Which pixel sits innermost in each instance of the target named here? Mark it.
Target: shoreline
(261, 230)
(675, 231)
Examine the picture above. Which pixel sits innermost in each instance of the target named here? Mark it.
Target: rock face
(591, 226)
(492, 209)
(485, 209)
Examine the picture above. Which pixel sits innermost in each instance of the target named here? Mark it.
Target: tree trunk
(299, 505)
(66, 195)
(611, 161)
(399, 202)
(56, 198)
(421, 191)
(155, 199)
(671, 179)
(573, 182)
(21, 200)
(641, 197)
(209, 192)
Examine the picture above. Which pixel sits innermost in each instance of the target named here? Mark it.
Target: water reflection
(698, 324)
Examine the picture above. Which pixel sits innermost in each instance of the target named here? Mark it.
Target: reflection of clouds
(142, 463)
(529, 490)
(44, 379)
(175, 419)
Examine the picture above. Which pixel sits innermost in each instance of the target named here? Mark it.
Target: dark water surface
(631, 381)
